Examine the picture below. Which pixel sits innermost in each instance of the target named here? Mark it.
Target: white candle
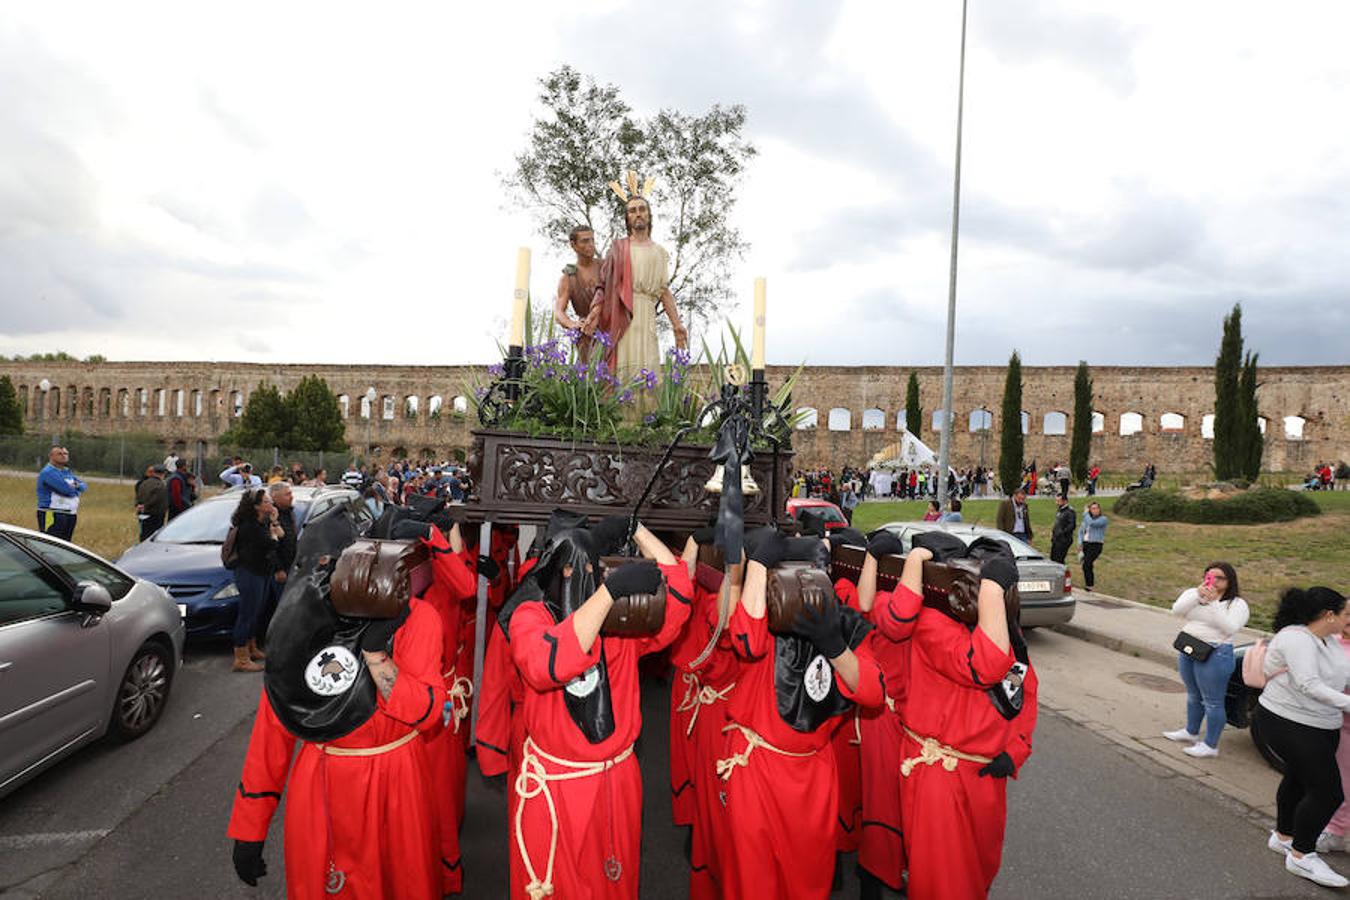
(757, 346)
(520, 298)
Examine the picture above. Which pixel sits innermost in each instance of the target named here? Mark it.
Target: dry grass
(1153, 561)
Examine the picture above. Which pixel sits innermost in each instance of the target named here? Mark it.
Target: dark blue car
(183, 557)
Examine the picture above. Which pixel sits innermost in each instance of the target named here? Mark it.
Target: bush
(1251, 507)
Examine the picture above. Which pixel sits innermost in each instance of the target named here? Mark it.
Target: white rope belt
(530, 783)
(726, 766)
(931, 750)
(459, 695)
(367, 751)
(697, 696)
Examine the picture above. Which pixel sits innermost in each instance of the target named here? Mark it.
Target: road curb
(1111, 642)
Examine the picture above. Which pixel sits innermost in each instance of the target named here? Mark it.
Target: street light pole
(44, 386)
(370, 417)
(945, 446)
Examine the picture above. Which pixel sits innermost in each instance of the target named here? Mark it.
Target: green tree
(1010, 436)
(266, 421)
(587, 135)
(1253, 442)
(1080, 447)
(11, 410)
(913, 411)
(1229, 454)
(315, 417)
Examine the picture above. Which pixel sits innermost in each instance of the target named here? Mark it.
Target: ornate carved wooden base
(522, 479)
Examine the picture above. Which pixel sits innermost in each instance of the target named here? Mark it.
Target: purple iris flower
(605, 340)
(496, 370)
(648, 378)
(649, 419)
(626, 397)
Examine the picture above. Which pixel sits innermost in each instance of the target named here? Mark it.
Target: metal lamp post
(945, 446)
(44, 386)
(370, 415)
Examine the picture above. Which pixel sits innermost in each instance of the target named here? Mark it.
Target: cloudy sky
(319, 182)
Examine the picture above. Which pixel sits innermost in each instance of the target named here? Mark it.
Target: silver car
(85, 650)
(1044, 585)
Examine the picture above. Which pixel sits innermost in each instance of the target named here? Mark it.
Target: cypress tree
(1010, 437)
(1228, 431)
(315, 417)
(1253, 442)
(11, 411)
(1081, 445)
(913, 411)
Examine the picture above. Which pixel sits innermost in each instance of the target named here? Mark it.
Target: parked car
(833, 515)
(183, 557)
(85, 650)
(1045, 586)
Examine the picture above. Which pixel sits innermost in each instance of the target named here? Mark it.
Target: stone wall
(427, 410)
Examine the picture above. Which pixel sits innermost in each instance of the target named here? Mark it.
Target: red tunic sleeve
(493, 731)
(847, 592)
(449, 567)
(749, 636)
(1019, 742)
(548, 655)
(871, 691)
(266, 766)
(679, 604)
(418, 693)
(968, 657)
(896, 612)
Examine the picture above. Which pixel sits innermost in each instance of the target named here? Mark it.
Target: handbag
(1192, 646)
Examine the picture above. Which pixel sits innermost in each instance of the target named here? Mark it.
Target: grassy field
(1154, 561)
(1151, 562)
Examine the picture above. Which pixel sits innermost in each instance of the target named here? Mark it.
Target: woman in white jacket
(1214, 613)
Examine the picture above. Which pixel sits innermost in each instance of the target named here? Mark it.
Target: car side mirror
(92, 599)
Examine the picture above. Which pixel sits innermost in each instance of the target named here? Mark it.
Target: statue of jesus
(634, 280)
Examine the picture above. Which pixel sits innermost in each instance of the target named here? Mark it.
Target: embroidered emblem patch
(332, 671)
(585, 683)
(818, 679)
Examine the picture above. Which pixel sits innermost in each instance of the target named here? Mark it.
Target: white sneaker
(1181, 736)
(1201, 750)
(1313, 868)
(1330, 843)
(1280, 846)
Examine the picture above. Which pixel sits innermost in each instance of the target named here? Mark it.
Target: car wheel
(1263, 745)
(143, 692)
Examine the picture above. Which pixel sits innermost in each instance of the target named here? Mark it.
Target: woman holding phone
(1214, 613)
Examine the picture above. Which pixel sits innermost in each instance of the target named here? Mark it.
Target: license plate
(182, 610)
(1033, 587)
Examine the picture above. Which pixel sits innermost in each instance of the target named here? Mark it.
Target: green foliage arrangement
(1252, 507)
(1010, 435)
(1080, 447)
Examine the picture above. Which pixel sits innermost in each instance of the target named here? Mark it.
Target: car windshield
(828, 513)
(209, 522)
(1020, 549)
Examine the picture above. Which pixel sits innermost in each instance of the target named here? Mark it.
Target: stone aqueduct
(1143, 414)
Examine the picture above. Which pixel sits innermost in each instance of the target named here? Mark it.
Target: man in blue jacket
(58, 495)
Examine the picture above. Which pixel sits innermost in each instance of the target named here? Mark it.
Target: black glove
(883, 543)
(1000, 766)
(379, 634)
(769, 546)
(850, 537)
(822, 627)
(705, 535)
(488, 568)
(409, 529)
(609, 535)
(943, 546)
(249, 864)
(633, 578)
(1000, 569)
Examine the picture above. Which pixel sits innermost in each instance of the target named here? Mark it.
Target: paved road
(1089, 818)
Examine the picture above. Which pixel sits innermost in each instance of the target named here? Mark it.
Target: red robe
(614, 293)
(954, 821)
(701, 745)
(599, 816)
(848, 758)
(781, 810)
(882, 848)
(499, 731)
(384, 829)
(445, 750)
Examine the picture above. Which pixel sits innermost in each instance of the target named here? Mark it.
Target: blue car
(183, 557)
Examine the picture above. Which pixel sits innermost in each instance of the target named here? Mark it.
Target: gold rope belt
(530, 783)
(367, 751)
(459, 695)
(932, 750)
(696, 697)
(726, 766)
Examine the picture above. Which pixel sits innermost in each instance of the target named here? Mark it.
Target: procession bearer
(577, 821)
